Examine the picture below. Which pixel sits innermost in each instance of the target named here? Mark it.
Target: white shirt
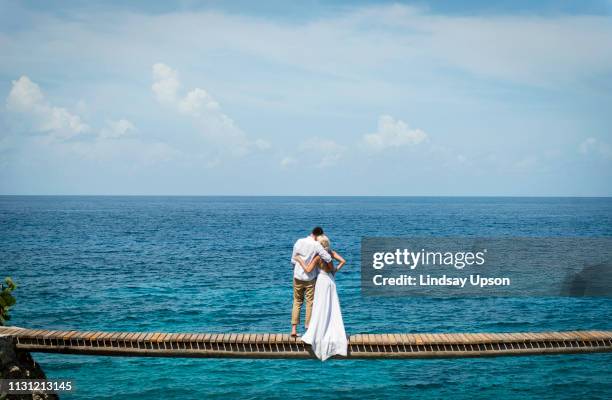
(307, 248)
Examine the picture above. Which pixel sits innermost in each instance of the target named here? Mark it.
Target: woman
(325, 332)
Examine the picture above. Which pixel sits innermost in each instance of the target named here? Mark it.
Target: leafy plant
(7, 300)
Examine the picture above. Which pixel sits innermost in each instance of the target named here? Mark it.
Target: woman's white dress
(326, 332)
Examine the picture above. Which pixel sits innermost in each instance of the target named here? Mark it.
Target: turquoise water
(221, 264)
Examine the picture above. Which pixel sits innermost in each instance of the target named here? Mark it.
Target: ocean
(221, 264)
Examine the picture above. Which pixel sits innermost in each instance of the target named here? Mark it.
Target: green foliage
(7, 300)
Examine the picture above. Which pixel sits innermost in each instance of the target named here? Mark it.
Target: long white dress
(326, 332)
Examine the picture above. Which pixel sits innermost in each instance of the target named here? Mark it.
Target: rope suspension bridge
(271, 345)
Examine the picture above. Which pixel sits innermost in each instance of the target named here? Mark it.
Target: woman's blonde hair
(324, 240)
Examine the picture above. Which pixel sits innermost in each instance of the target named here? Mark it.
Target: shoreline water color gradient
(221, 264)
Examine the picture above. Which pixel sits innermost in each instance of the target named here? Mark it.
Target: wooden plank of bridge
(241, 338)
(491, 338)
(375, 338)
(279, 339)
(48, 334)
(485, 338)
(398, 339)
(590, 336)
(408, 338)
(18, 331)
(9, 331)
(32, 333)
(43, 333)
(51, 334)
(131, 337)
(227, 338)
(366, 339)
(599, 340)
(383, 339)
(461, 338)
(584, 336)
(533, 337)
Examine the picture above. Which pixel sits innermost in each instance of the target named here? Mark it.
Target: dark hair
(317, 231)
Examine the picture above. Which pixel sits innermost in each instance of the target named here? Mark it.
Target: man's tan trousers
(302, 289)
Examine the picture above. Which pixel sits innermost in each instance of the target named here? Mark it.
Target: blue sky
(318, 98)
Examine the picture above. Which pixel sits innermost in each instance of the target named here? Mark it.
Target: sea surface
(221, 264)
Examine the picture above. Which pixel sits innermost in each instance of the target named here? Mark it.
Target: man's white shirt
(307, 248)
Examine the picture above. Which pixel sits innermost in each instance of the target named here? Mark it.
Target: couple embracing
(313, 281)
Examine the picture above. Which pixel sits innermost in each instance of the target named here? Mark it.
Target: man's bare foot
(293, 331)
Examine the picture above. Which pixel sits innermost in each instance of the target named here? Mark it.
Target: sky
(471, 98)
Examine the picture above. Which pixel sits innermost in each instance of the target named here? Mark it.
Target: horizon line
(301, 195)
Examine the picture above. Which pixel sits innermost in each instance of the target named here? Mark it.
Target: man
(304, 282)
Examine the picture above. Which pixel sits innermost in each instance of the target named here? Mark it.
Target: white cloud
(198, 102)
(325, 152)
(26, 98)
(131, 151)
(116, 129)
(393, 133)
(588, 145)
(165, 83)
(593, 146)
(262, 144)
(315, 152)
(205, 110)
(287, 162)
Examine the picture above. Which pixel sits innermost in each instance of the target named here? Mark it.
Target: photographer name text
(442, 280)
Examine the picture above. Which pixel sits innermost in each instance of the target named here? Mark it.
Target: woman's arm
(310, 266)
(341, 261)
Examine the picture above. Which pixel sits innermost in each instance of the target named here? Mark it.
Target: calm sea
(221, 264)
